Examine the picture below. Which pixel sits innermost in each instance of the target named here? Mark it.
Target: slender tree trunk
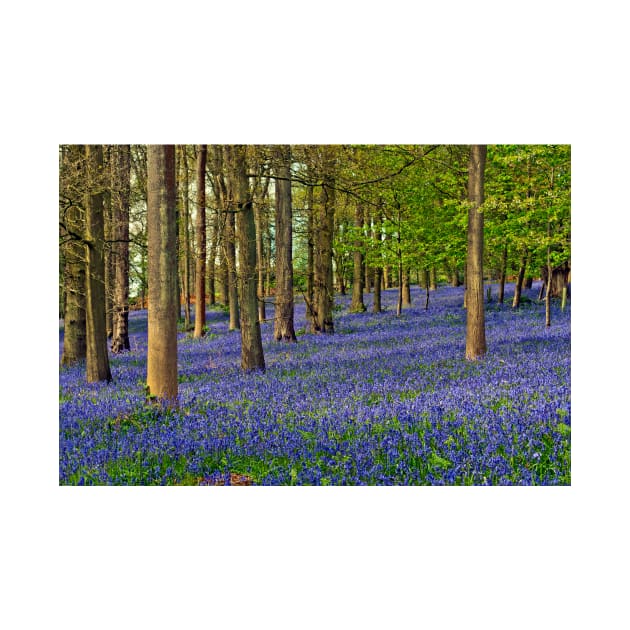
(432, 278)
(200, 231)
(283, 329)
(399, 303)
(378, 278)
(502, 273)
(549, 271)
(357, 305)
(212, 264)
(121, 173)
(378, 267)
(184, 234)
(323, 276)
(260, 263)
(475, 315)
(107, 246)
(230, 248)
(427, 285)
(162, 264)
(310, 263)
(455, 281)
(251, 341)
(97, 364)
(406, 287)
(516, 302)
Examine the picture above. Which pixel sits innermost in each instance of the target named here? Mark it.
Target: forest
(314, 315)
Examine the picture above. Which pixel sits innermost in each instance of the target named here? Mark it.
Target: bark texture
(200, 268)
(252, 357)
(283, 327)
(121, 173)
(73, 218)
(323, 251)
(162, 271)
(97, 361)
(357, 305)
(475, 315)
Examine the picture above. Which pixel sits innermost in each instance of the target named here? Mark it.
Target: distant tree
(97, 361)
(357, 305)
(162, 271)
(120, 191)
(200, 221)
(251, 340)
(283, 321)
(475, 315)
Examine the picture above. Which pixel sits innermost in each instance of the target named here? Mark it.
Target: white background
(301, 558)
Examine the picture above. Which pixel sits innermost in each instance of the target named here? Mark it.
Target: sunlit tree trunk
(259, 200)
(283, 329)
(162, 271)
(251, 341)
(184, 232)
(200, 232)
(516, 301)
(121, 173)
(502, 274)
(230, 249)
(212, 264)
(107, 245)
(378, 268)
(357, 305)
(475, 316)
(97, 363)
(406, 288)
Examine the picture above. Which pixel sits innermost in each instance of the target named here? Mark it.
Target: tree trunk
(323, 276)
(516, 302)
(455, 280)
(432, 278)
(107, 246)
(378, 278)
(200, 232)
(427, 285)
(406, 287)
(357, 305)
(162, 269)
(212, 264)
(399, 302)
(74, 341)
(502, 273)
(230, 256)
(283, 329)
(97, 363)
(184, 235)
(260, 254)
(251, 341)
(310, 263)
(475, 315)
(121, 173)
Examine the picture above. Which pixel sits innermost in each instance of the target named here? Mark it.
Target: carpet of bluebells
(383, 401)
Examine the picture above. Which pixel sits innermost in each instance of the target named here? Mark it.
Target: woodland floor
(383, 401)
